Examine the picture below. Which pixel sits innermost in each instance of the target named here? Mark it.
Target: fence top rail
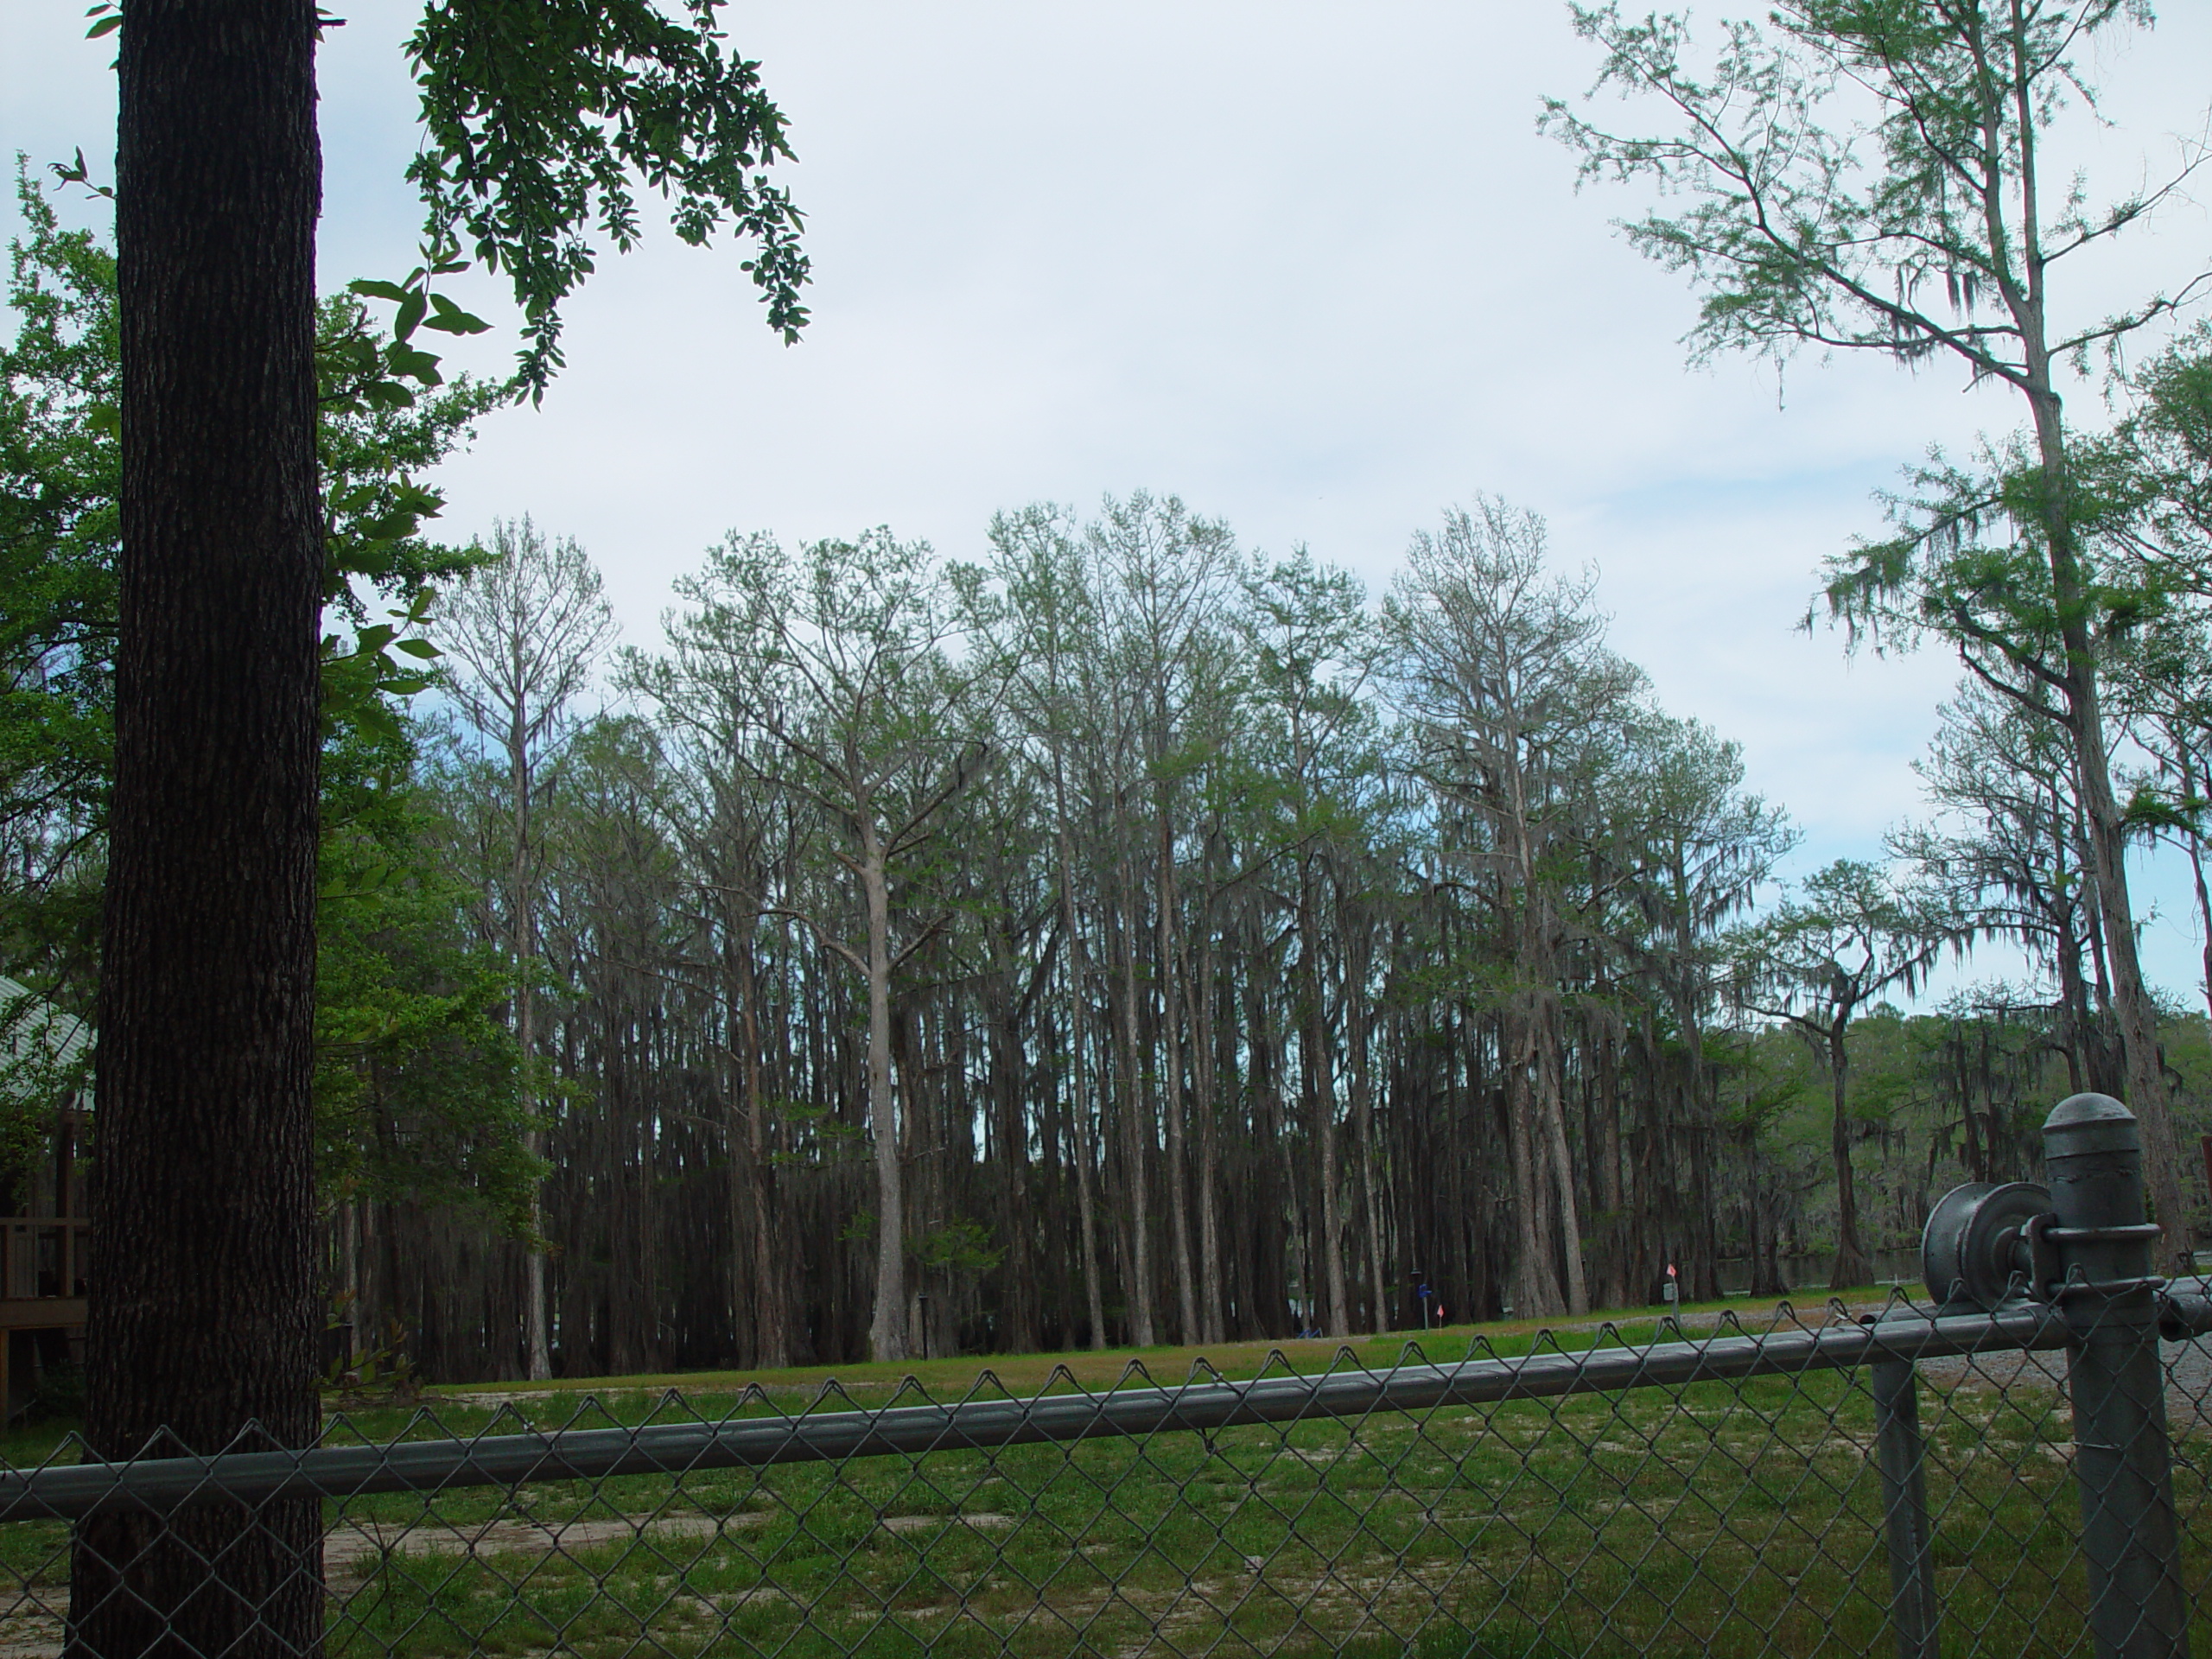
(160, 1485)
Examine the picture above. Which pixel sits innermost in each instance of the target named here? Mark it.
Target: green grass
(1724, 1520)
(1734, 1520)
(1166, 1363)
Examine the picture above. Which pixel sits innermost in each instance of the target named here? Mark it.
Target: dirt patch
(30, 1637)
(927, 1522)
(352, 1546)
(1999, 1369)
(2187, 1366)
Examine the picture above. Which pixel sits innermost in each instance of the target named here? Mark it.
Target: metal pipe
(1901, 1454)
(2122, 1460)
(161, 1484)
(2186, 1310)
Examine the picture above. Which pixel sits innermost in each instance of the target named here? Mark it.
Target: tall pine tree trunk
(1321, 1090)
(1136, 1122)
(2108, 838)
(770, 1314)
(204, 1302)
(1171, 1072)
(1079, 1106)
(1359, 1029)
(1206, 1065)
(1021, 1329)
(887, 1331)
(1851, 1265)
(537, 1352)
(1552, 1085)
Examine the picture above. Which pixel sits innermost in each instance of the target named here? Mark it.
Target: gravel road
(2188, 1364)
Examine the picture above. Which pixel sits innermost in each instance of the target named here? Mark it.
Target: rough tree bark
(203, 1310)
(1853, 1265)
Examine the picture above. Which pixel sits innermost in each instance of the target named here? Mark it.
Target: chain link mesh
(1538, 1515)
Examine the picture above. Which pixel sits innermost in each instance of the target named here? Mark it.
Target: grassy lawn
(1730, 1519)
(1028, 1373)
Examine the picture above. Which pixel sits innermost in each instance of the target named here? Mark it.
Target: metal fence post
(1901, 1454)
(2122, 1461)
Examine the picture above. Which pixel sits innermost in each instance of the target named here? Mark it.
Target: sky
(1309, 266)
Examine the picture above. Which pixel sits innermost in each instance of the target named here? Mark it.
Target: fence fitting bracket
(2081, 1247)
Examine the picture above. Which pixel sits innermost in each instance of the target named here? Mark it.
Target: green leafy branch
(541, 113)
(371, 387)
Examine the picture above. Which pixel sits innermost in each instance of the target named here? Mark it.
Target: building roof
(37, 1040)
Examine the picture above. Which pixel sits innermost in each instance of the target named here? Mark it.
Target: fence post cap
(2084, 1125)
(2087, 1109)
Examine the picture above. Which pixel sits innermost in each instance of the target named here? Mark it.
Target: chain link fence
(2002, 1472)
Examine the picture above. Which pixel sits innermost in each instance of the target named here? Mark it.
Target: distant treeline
(1125, 940)
(1121, 938)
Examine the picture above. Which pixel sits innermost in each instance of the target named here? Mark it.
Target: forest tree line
(1179, 947)
(1120, 936)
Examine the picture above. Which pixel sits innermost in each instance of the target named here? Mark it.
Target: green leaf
(414, 364)
(76, 171)
(391, 527)
(371, 714)
(369, 288)
(450, 319)
(410, 314)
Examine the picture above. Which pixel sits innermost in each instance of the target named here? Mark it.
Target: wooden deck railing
(42, 1257)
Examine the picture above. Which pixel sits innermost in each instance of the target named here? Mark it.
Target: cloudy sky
(1307, 265)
